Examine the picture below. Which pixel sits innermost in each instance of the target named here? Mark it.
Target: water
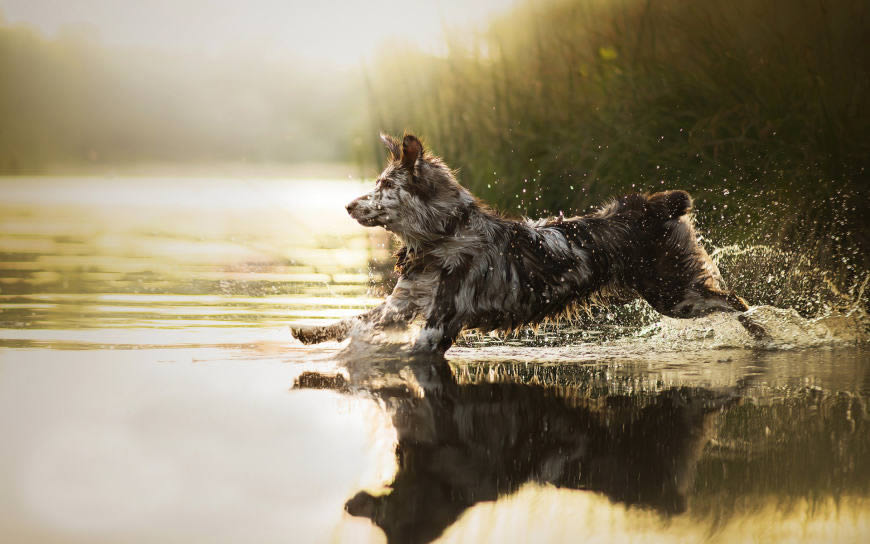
(150, 391)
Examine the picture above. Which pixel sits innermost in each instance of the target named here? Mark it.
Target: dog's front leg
(314, 334)
(443, 321)
(397, 310)
(437, 336)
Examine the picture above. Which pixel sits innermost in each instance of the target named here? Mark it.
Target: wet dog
(462, 265)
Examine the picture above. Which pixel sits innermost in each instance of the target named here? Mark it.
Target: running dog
(462, 265)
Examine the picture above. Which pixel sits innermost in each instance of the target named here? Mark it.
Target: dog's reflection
(459, 444)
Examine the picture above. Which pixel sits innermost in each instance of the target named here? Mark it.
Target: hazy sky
(335, 31)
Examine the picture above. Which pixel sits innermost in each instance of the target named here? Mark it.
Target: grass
(760, 109)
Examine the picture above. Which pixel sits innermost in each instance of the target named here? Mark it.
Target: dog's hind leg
(754, 329)
(736, 303)
(702, 300)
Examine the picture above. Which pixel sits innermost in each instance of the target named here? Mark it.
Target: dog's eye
(386, 184)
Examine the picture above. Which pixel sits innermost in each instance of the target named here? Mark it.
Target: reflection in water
(459, 444)
(462, 441)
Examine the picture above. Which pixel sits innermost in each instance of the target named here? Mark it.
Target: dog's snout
(351, 205)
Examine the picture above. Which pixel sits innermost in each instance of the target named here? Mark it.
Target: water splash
(785, 329)
(793, 279)
(797, 302)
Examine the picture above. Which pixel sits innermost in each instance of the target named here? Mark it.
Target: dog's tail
(671, 204)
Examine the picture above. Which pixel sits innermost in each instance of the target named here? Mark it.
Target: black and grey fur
(462, 265)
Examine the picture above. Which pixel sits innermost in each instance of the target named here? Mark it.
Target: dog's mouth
(370, 220)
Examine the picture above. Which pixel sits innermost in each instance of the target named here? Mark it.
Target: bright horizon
(337, 33)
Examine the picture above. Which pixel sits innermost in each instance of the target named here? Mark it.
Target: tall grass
(760, 109)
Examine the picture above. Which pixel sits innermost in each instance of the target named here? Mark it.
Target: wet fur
(462, 265)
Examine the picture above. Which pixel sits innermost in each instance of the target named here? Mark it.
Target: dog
(463, 265)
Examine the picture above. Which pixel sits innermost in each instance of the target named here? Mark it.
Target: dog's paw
(307, 334)
(429, 341)
(314, 334)
(754, 329)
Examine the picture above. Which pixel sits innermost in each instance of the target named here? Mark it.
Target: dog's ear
(412, 149)
(392, 146)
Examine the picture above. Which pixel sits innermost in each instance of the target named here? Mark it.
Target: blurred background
(90, 85)
(760, 109)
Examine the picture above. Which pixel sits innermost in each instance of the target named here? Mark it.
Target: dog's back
(660, 257)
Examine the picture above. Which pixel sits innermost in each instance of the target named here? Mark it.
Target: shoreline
(307, 170)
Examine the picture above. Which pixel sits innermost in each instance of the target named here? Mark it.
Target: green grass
(760, 109)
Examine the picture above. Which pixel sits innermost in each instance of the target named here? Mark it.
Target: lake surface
(150, 391)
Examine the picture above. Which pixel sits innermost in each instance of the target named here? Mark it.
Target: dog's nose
(351, 205)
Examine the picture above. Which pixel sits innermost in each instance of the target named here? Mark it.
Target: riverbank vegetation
(760, 109)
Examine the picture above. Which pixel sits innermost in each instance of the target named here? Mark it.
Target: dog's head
(672, 270)
(416, 196)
